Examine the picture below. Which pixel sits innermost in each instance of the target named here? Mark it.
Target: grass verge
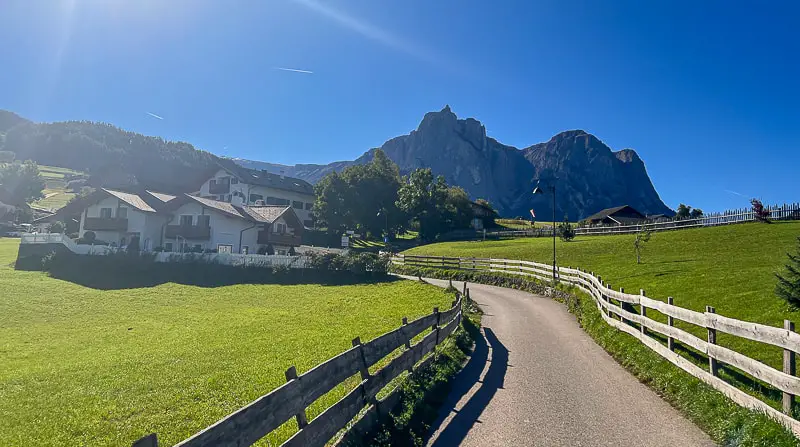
(426, 389)
(727, 423)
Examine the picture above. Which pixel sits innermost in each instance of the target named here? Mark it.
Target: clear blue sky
(707, 92)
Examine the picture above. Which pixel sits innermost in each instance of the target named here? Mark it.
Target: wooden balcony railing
(196, 232)
(105, 224)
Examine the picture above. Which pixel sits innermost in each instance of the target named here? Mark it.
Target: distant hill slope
(111, 156)
(590, 175)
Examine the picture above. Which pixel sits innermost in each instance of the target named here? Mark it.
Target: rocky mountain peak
(590, 175)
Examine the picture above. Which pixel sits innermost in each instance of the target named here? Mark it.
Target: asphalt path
(537, 379)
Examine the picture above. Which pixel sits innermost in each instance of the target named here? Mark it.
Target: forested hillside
(112, 156)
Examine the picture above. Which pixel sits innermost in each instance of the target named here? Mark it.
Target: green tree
(696, 213)
(362, 197)
(788, 287)
(433, 206)
(332, 205)
(642, 237)
(565, 230)
(20, 183)
(683, 211)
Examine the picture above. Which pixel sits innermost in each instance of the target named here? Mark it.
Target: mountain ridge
(591, 176)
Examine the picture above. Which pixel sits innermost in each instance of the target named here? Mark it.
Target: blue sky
(708, 93)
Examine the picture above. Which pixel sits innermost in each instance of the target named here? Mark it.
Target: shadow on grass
(457, 428)
(97, 272)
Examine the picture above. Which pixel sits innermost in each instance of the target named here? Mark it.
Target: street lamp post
(540, 190)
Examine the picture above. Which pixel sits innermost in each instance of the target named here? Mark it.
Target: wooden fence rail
(621, 316)
(257, 419)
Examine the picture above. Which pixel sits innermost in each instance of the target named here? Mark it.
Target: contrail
(295, 70)
(155, 116)
(734, 193)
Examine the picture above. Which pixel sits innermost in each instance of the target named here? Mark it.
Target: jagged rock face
(590, 176)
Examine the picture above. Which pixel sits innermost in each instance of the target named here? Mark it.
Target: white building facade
(248, 187)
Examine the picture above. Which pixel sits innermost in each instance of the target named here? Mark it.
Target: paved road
(537, 379)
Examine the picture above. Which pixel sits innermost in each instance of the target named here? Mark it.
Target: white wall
(147, 225)
(264, 191)
(224, 229)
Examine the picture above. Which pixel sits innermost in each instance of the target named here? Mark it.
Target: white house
(199, 223)
(188, 223)
(249, 187)
(117, 216)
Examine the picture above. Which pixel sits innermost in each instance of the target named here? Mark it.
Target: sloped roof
(161, 196)
(600, 215)
(264, 178)
(131, 199)
(266, 214)
(224, 207)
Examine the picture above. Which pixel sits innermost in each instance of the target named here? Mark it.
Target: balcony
(105, 224)
(219, 188)
(268, 237)
(196, 232)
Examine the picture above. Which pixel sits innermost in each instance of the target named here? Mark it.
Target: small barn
(619, 215)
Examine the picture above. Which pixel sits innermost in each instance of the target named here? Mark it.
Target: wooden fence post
(643, 313)
(789, 367)
(621, 304)
(712, 340)
(670, 322)
(291, 374)
(435, 326)
(150, 440)
(408, 344)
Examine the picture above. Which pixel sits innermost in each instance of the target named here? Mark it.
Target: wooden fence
(257, 419)
(777, 212)
(617, 310)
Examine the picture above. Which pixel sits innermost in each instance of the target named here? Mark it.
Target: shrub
(270, 250)
(760, 212)
(292, 252)
(89, 237)
(56, 227)
(788, 287)
(565, 231)
(133, 245)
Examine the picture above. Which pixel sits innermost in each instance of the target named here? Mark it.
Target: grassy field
(55, 193)
(731, 268)
(83, 366)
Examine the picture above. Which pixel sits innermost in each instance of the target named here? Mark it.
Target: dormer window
(234, 181)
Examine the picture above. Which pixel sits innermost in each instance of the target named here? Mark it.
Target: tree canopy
(362, 198)
(20, 183)
(433, 206)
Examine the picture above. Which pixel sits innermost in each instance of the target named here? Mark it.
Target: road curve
(537, 379)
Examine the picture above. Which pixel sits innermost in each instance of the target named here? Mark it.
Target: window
(245, 249)
(221, 197)
(234, 181)
(186, 221)
(105, 213)
(168, 246)
(254, 197)
(203, 220)
(297, 205)
(212, 183)
(308, 206)
(224, 248)
(277, 201)
(280, 228)
(122, 213)
(228, 199)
